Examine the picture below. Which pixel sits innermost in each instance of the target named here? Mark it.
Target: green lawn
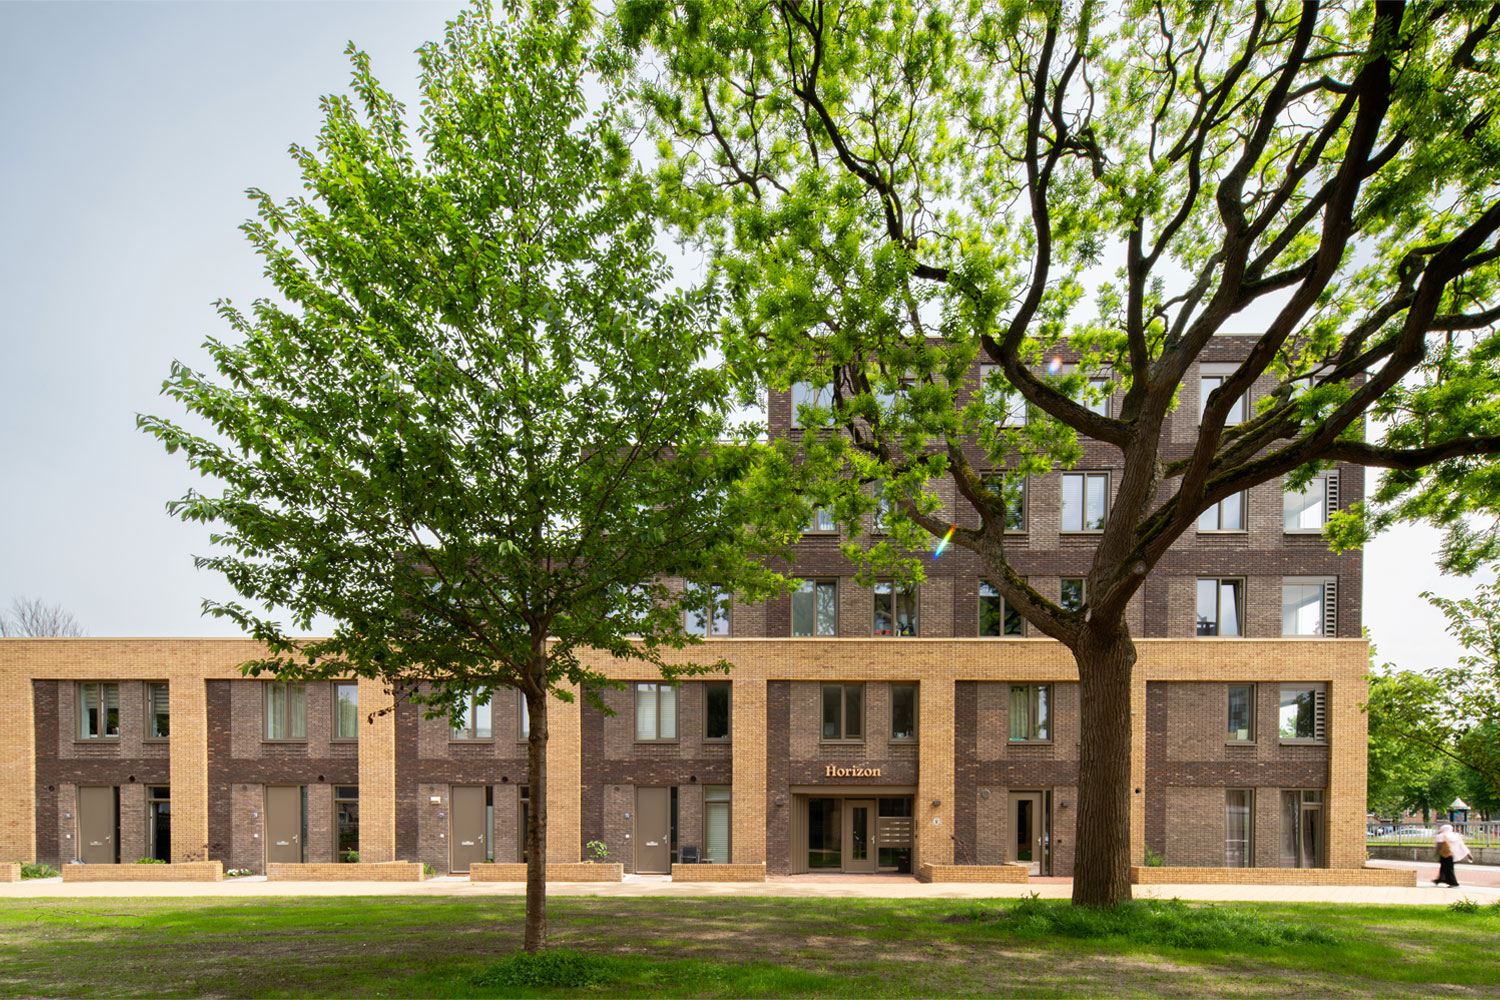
(404, 947)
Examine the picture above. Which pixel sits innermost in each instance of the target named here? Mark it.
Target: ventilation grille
(1320, 715)
(1331, 483)
(1331, 608)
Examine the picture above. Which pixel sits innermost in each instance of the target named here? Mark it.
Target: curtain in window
(296, 712)
(276, 711)
(1020, 713)
(667, 703)
(645, 712)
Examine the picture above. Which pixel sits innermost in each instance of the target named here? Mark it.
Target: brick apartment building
(862, 729)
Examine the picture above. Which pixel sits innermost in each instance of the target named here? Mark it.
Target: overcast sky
(130, 132)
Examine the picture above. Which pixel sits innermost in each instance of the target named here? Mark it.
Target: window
(815, 608)
(882, 508)
(523, 820)
(821, 521)
(1302, 713)
(1012, 492)
(655, 712)
(1206, 385)
(159, 822)
(1226, 515)
(716, 824)
(1085, 500)
(1241, 713)
(1072, 592)
(1239, 807)
(1097, 398)
(716, 710)
(1220, 608)
(805, 394)
(523, 717)
(473, 722)
(997, 390)
(158, 711)
(346, 710)
(98, 711)
(1031, 712)
(996, 616)
(1307, 510)
(1302, 828)
(895, 608)
(843, 711)
(903, 711)
(286, 711)
(346, 821)
(709, 615)
(1309, 606)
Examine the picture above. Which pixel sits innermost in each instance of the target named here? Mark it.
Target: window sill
(659, 743)
(344, 739)
(1301, 741)
(1241, 743)
(1223, 531)
(94, 740)
(159, 740)
(723, 741)
(841, 743)
(1030, 743)
(467, 742)
(904, 741)
(1303, 531)
(1088, 532)
(302, 742)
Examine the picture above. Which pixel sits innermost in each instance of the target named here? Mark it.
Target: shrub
(351, 856)
(1154, 860)
(558, 968)
(597, 849)
(1464, 906)
(149, 861)
(38, 870)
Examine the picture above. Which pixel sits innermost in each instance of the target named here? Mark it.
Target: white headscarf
(1455, 842)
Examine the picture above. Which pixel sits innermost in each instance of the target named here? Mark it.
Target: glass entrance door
(859, 829)
(1026, 822)
(824, 835)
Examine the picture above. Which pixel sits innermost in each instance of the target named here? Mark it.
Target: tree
(1405, 775)
(894, 191)
(30, 616)
(479, 433)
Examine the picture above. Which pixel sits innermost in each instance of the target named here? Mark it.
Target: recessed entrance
(852, 834)
(1029, 819)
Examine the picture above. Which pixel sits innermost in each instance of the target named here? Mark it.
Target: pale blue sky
(128, 132)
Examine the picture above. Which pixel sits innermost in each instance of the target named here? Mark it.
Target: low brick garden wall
(185, 871)
(10, 871)
(575, 871)
(1148, 875)
(384, 871)
(719, 873)
(1016, 874)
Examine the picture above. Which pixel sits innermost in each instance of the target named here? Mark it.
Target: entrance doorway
(286, 821)
(852, 834)
(653, 830)
(99, 825)
(468, 826)
(1029, 818)
(159, 822)
(859, 831)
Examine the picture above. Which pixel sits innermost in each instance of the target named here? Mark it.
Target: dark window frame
(1003, 615)
(843, 688)
(914, 734)
(708, 687)
(1201, 625)
(1084, 527)
(1250, 739)
(811, 587)
(468, 732)
(1035, 701)
(334, 735)
(152, 736)
(635, 715)
(102, 688)
(898, 590)
(286, 723)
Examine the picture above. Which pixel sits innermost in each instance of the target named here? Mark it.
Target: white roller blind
(716, 819)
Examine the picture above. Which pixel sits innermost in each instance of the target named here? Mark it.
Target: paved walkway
(816, 886)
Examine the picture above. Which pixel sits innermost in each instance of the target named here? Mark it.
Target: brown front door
(1026, 830)
(859, 834)
(97, 822)
(467, 827)
(284, 824)
(653, 830)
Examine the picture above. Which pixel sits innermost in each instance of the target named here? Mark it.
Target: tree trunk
(1101, 842)
(536, 821)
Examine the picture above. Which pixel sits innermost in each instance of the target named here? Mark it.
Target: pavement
(1480, 884)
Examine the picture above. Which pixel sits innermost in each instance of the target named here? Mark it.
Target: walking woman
(1450, 848)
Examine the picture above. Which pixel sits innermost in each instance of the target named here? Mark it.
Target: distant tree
(481, 432)
(1405, 775)
(29, 616)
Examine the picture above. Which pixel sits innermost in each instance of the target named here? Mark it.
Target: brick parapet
(385, 871)
(574, 871)
(1009, 874)
(1147, 875)
(719, 873)
(178, 871)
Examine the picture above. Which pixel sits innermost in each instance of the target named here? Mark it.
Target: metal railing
(1475, 833)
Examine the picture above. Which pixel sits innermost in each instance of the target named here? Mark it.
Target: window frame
(814, 527)
(1327, 625)
(811, 587)
(1238, 584)
(996, 482)
(103, 687)
(815, 399)
(1220, 374)
(462, 734)
(1017, 412)
(1327, 479)
(1250, 738)
(1103, 405)
(265, 723)
(334, 736)
(1083, 592)
(897, 590)
(915, 733)
(719, 795)
(151, 715)
(728, 687)
(716, 599)
(1249, 841)
(1002, 616)
(843, 700)
(635, 716)
(1217, 509)
(523, 719)
(1319, 692)
(1035, 699)
(1087, 477)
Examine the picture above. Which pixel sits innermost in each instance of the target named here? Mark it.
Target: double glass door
(841, 835)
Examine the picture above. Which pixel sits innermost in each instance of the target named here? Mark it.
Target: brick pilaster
(747, 728)
(932, 826)
(377, 773)
(564, 780)
(188, 705)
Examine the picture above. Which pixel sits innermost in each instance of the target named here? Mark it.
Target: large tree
(478, 430)
(31, 616)
(897, 190)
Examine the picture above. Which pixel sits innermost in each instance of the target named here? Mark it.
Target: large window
(903, 711)
(1221, 609)
(716, 710)
(474, 720)
(1239, 810)
(1031, 712)
(716, 824)
(1085, 500)
(1308, 606)
(1206, 386)
(158, 711)
(708, 615)
(346, 710)
(815, 608)
(346, 821)
(1302, 713)
(655, 712)
(1012, 493)
(996, 616)
(843, 711)
(1302, 828)
(1226, 515)
(286, 711)
(998, 392)
(1097, 398)
(895, 608)
(805, 394)
(1307, 510)
(1241, 713)
(98, 711)
(1072, 592)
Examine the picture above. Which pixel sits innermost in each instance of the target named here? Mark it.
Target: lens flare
(1054, 366)
(944, 543)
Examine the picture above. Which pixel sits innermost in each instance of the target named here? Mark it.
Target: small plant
(598, 849)
(351, 856)
(149, 861)
(427, 870)
(1154, 860)
(1464, 906)
(38, 870)
(558, 968)
(237, 873)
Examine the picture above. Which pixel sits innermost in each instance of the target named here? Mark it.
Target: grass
(724, 947)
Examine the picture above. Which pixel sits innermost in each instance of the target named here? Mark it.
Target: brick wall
(390, 871)
(191, 871)
(719, 873)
